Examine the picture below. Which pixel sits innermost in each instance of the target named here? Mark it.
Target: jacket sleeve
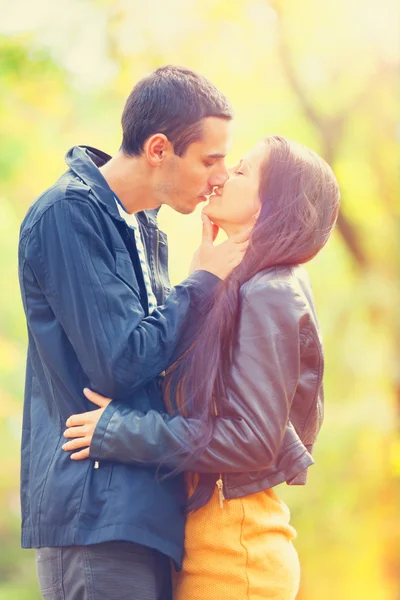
(118, 347)
(265, 373)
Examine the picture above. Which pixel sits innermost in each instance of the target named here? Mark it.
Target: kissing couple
(158, 421)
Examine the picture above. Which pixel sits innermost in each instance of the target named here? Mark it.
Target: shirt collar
(130, 219)
(85, 162)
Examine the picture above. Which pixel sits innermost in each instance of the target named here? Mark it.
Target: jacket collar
(85, 162)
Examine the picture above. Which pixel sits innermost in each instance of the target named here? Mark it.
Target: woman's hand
(81, 427)
(210, 232)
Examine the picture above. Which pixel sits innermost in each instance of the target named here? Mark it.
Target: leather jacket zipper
(220, 486)
(96, 464)
(220, 482)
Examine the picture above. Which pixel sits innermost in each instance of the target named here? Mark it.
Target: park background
(322, 72)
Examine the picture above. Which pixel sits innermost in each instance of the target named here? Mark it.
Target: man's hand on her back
(223, 258)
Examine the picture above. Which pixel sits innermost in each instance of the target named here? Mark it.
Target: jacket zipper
(157, 272)
(220, 486)
(158, 282)
(220, 482)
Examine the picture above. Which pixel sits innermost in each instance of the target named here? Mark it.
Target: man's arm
(118, 348)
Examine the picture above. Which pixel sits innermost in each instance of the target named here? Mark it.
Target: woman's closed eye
(236, 170)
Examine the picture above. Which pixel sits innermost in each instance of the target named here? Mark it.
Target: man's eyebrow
(216, 155)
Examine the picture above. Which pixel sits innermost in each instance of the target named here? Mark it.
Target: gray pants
(108, 571)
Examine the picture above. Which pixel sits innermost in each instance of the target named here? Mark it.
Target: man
(92, 267)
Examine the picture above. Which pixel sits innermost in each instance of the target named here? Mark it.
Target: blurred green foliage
(320, 72)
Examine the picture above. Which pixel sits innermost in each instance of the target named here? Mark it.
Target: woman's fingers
(81, 442)
(77, 420)
(80, 455)
(84, 423)
(73, 432)
(101, 401)
(215, 231)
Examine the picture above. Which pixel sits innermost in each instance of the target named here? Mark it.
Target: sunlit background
(321, 71)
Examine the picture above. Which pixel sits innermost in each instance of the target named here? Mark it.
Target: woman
(247, 395)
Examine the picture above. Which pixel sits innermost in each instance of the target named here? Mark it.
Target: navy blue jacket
(88, 325)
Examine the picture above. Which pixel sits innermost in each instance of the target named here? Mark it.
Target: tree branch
(329, 128)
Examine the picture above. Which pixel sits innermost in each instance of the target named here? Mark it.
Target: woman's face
(237, 203)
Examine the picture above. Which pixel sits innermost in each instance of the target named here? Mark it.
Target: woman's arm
(265, 374)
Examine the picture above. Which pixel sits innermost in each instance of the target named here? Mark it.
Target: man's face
(187, 180)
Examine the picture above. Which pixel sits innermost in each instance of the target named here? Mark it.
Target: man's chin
(189, 207)
(185, 210)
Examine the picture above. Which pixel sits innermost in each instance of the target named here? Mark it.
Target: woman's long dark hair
(299, 206)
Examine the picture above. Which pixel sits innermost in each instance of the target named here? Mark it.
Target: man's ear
(156, 147)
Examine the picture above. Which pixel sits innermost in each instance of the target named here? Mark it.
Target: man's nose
(220, 178)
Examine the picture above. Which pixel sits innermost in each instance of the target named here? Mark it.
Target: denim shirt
(89, 325)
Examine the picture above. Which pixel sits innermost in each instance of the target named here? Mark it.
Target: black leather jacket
(276, 398)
